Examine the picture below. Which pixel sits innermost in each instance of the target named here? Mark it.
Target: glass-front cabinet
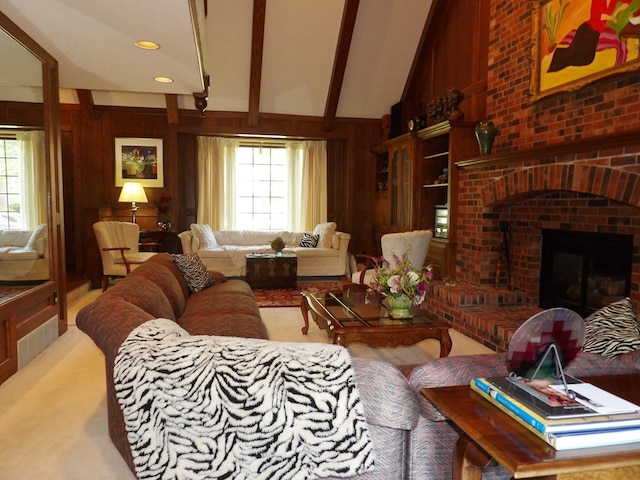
(417, 187)
(401, 186)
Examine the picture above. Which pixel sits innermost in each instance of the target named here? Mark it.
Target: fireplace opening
(584, 271)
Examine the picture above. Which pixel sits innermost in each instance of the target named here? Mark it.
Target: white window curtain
(216, 182)
(307, 183)
(33, 178)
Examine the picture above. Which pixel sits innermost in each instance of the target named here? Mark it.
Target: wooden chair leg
(105, 282)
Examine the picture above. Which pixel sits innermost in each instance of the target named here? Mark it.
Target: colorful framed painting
(139, 159)
(576, 42)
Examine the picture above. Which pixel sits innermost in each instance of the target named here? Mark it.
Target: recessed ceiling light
(147, 45)
(163, 79)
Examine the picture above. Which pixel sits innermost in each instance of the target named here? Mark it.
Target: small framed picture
(139, 159)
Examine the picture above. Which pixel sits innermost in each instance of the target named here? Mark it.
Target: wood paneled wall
(89, 157)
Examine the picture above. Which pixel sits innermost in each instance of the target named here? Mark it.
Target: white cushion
(38, 233)
(204, 234)
(326, 231)
(15, 238)
(20, 253)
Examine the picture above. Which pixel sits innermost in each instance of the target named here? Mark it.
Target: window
(10, 185)
(261, 187)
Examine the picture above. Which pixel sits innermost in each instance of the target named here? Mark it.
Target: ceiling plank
(349, 15)
(257, 48)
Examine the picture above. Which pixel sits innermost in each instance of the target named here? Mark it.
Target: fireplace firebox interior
(584, 271)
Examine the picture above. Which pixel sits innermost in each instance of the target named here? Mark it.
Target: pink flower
(395, 283)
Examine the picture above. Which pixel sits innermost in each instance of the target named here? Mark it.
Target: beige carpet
(53, 419)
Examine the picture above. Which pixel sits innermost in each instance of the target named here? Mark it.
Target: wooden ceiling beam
(85, 97)
(349, 14)
(257, 48)
(171, 100)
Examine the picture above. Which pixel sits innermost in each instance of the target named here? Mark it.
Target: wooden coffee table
(353, 316)
(487, 433)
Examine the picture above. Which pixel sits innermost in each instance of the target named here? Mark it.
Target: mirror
(24, 246)
(30, 195)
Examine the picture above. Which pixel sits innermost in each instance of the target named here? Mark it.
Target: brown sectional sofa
(157, 289)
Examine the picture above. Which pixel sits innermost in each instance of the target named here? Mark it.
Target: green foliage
(553, 20)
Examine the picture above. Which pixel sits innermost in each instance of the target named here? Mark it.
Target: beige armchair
(118, 244)
(415, 243)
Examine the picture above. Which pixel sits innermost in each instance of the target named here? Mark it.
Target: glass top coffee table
(354, 315)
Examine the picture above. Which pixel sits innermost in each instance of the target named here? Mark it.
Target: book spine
(510, 406)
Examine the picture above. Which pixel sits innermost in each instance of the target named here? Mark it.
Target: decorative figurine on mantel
(452, 99)
(446, 106)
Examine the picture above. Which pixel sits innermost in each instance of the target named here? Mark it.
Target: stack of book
(585, 417)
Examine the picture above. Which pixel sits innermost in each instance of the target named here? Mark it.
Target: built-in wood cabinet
(417, 187)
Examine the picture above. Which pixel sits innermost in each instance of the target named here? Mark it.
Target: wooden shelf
(437, 155)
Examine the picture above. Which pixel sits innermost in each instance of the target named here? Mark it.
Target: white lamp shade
(133, 192)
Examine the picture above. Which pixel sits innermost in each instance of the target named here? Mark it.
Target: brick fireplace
(596, 192)
(570, 161)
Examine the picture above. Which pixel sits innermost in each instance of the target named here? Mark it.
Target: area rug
(290, 297)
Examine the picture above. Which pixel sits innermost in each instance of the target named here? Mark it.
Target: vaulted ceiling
(331, 58)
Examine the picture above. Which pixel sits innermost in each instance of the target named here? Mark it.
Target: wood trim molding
(581, 145)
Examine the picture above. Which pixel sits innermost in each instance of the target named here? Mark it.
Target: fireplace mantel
(570, 147)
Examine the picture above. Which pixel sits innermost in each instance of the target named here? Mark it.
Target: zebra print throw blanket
(205, 407)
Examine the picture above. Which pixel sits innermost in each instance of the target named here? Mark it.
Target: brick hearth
(488, 315)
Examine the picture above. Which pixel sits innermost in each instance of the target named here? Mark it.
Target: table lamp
(133, 192)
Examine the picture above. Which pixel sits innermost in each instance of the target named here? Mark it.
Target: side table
(487, 433)
(272, 271)
(160, 241)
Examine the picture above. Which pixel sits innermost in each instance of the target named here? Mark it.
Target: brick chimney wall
(596, 191)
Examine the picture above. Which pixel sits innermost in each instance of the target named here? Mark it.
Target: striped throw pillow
(195, 272)
(309, 240)
(612, 330)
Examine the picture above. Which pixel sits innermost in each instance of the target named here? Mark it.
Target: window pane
(261, 184)
(10, 185)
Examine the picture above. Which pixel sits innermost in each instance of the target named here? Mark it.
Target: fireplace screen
(584, 271)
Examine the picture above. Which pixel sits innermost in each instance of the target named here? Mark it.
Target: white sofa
(24, 255)
(225, 250)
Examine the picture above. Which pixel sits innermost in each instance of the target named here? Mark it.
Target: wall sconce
(133, 192)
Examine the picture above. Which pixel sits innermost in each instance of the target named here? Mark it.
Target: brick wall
(596, 191)
(593, 191)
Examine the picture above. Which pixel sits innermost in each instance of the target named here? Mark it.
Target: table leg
(468, 460)
(304, 307)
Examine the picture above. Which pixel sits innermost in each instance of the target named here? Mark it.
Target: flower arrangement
(140, 159)
(277, 244)
(402, 279)
(163, 206)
